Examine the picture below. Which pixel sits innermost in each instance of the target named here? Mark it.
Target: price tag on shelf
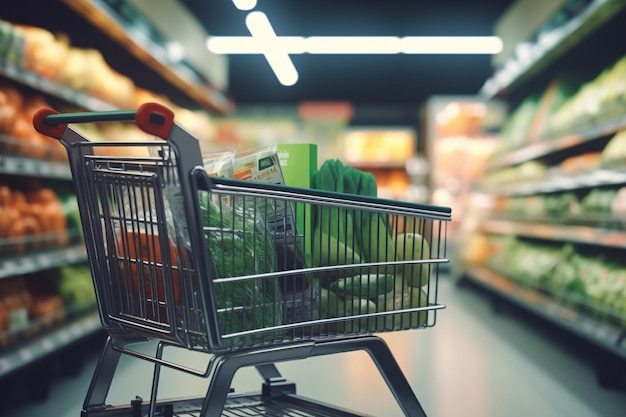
(64, 336)
(47, 344)
(25, 354)
(5, 365)
(29, 78)
(8, 267)
(44, 260)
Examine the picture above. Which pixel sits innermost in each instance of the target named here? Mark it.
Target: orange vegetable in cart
(142, 250)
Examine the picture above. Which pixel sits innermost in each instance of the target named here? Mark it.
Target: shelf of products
(532, 151)
(103, 17)
(388, 153)
(55, 89)
(546, 227)
(550, 43)
(38, 261)
(18, 165)
(50, 340)
(559, 182)
(40, 239)
(608, 336)
(47, 302)
(549, 231)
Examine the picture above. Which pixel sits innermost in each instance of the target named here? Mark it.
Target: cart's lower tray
(249, 405)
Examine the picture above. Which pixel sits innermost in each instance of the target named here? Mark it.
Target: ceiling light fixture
(262, 32)
(293, 45)
(276, 49)
(245, 4)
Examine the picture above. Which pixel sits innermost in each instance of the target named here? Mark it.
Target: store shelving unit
(151, 55)
(23, 346)
(54, 89)
(588, 235)
(597, 233)
(542, 52)
(51, 336)
(608, 336)
(541, 149)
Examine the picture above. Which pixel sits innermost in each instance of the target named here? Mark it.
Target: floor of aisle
(473, 363)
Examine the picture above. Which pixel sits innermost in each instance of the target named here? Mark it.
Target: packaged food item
(262, 165)
(219, 164)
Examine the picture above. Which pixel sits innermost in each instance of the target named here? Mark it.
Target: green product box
(298, 162)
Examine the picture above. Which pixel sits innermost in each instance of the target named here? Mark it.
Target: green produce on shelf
(565, 278)
(584, 281)
(561, 205)
(595, 100)
(598, 201)
(76, 286)
(516, 129)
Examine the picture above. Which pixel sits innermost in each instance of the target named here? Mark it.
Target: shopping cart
(245, 272)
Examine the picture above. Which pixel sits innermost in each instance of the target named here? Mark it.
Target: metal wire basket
(223, 266)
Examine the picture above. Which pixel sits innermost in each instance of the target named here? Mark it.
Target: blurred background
(520, 134)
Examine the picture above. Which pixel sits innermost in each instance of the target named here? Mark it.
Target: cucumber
(357, 306)
(397, 301)
(367, 286)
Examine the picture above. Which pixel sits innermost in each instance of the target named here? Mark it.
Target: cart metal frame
(168, 293)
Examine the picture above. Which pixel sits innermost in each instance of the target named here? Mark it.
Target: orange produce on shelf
(5, 317)
(45, 305)
(10, 107)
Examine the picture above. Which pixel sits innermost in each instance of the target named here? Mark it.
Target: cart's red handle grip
(152, 118)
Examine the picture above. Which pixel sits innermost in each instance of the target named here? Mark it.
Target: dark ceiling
(379, 83)
(362, 79)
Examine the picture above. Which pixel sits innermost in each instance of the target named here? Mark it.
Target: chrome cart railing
(219, 266)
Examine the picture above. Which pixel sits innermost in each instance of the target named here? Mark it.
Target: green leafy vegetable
(240, 247)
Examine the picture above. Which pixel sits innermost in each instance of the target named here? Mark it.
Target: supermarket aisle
(473, 363)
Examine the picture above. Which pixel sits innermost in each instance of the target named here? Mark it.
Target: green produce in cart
(344, 236)
(413, 247)
(238, 249)
(408, 297)
(368, 286)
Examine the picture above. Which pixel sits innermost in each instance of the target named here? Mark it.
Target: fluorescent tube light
(451, 45)
(352, 45)
(245, 4)
(355, 44)
(261, 30)
(277, 49)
